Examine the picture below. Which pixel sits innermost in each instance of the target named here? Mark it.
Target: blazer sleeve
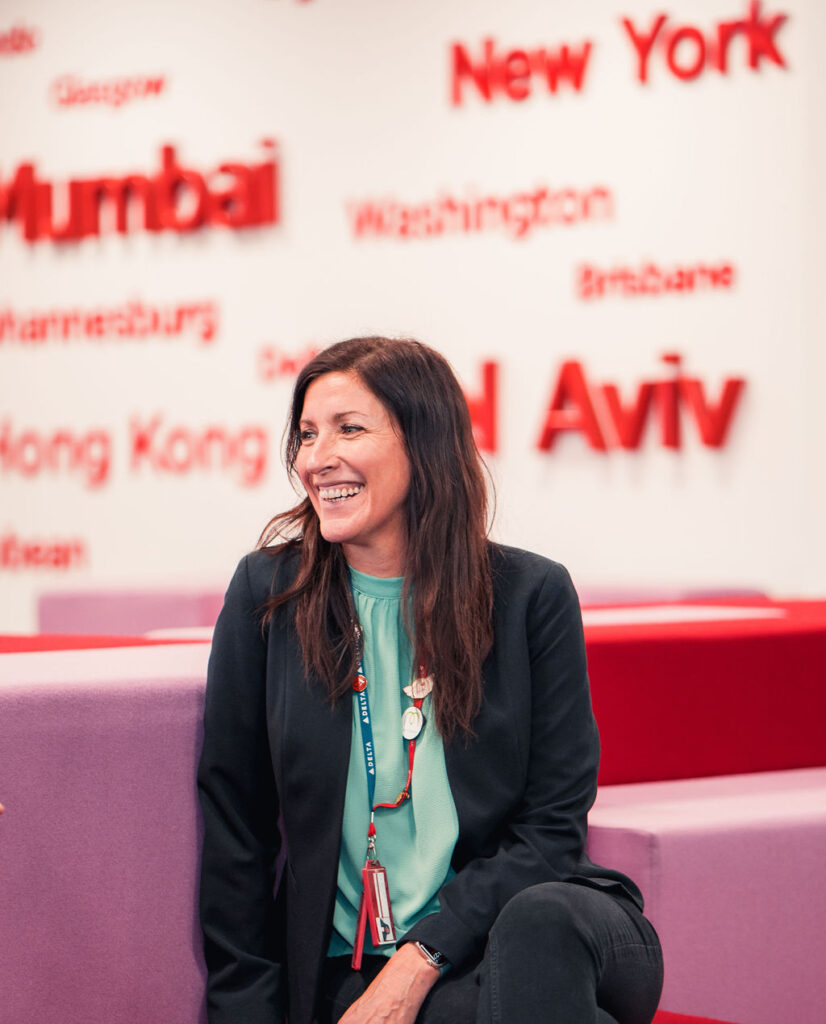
(543, 838)
(243, 934)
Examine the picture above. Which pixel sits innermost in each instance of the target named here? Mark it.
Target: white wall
(724, 168)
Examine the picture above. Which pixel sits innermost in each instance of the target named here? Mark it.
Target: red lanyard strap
(411, 754)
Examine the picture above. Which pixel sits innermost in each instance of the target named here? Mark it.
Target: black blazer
(273, 773)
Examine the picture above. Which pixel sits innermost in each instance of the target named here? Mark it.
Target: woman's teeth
(339, 493)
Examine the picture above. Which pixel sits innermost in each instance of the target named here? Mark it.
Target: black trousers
(559, 953)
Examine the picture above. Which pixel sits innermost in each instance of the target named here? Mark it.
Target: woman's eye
(305, 435)
(350, 428)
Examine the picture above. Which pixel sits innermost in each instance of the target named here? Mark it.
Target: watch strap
(433, 956)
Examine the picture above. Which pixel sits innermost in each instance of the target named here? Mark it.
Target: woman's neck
(384, 564)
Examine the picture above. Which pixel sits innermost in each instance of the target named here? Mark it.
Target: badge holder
(374, 906)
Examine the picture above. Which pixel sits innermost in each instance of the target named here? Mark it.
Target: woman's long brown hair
(447, 563)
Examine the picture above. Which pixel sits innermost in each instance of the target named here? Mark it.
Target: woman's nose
(322, 454)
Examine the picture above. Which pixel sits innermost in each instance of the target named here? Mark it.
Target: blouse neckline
(387, 587)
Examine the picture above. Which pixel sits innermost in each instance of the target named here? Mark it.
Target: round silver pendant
(412, 722)
(420, 687)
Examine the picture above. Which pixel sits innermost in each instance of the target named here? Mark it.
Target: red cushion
(664, 1017)
(59, 642)
(678, 700)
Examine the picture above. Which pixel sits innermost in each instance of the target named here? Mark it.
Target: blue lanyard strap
(368, 747)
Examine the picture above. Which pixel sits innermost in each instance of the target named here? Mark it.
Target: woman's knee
(542, 913)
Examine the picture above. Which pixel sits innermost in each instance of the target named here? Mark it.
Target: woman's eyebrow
(337, 417)
(348, 413)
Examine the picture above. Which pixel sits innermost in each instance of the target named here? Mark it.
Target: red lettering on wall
(628, 420)
(175, 199)
(571, 409)
(668, 398)
(274, 362)
(650, 278)
(62, 553)
(129, 322)
(517, 214)
(19, 39)
(575, 404)
(484, 409)
(32, 453)
(687, 51)
(512, 73)
(71, 91)
(713, 421)
(179, 450)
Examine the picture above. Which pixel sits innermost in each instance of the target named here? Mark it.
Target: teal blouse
(415, 841)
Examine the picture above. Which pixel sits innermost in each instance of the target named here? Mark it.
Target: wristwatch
(433, 956)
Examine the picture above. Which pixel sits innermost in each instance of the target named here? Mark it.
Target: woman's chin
(336, 533)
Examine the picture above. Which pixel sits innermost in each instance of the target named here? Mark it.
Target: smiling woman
(398, 711)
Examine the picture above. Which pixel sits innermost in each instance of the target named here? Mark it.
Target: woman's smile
(339, 494)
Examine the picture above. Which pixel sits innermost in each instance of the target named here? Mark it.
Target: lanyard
(374, 906)
(369, 750)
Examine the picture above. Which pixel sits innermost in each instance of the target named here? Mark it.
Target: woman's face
(353, 464)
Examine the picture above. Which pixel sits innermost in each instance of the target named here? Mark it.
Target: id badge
(377, 904)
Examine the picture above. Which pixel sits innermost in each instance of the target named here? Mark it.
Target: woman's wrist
(422, 972)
